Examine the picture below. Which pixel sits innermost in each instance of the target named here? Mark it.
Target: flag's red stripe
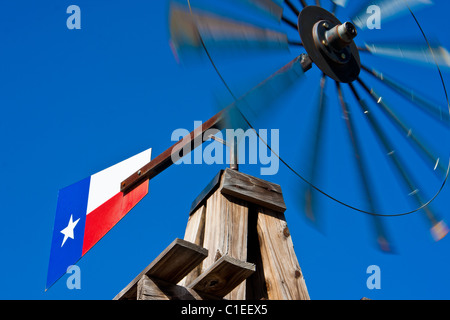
(102, 219)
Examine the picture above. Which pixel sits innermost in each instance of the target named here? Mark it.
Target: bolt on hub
(329, 43)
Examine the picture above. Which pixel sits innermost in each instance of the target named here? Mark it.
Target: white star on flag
(68, 231)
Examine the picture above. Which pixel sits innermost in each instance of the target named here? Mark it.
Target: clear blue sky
(74, 102)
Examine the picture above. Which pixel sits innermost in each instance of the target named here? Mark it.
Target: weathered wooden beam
(172, 265)
(253, 190)
(195, 233)
(154, 289)
(245, 187)
(223, 276)
(226, 233)
(284, 278)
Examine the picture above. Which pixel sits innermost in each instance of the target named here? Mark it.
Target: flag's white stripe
(106, 184)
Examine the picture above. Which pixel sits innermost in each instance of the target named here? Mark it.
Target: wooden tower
(237, 246)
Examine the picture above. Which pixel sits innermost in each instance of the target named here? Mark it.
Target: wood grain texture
(147, 289)
(172, 265)
(223, 276)
(284, 278)
(253, 190)
(195, 232)
(226, 227)
(154, 289)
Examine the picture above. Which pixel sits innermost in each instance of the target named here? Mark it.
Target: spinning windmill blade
(389, 10)
(272, 8)
(333, 47)
(415, 53)
(193, 29)
(424, 103)
(311, 209)
(380, 230)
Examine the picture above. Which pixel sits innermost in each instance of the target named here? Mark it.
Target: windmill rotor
(317, 37)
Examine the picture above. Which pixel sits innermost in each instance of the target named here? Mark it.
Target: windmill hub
(334, 41)
(329, 43)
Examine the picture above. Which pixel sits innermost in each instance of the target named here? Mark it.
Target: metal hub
(329, 43)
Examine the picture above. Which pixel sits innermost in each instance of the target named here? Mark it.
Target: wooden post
(236, 246)
(243, 217)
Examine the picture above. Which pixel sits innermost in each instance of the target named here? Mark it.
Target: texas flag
(88, 209)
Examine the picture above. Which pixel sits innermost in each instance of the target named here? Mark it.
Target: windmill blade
(407, 131)
(317, 133)
(414, 53)
(196, 29)
(436, 224)
(417, 99)
(389, 10)
(380, 230)
(272, 8)
(341, 3)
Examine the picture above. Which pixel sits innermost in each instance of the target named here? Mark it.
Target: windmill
(319, 42)
(260, 251)
(341, 51)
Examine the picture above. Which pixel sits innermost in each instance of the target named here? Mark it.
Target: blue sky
(74, 102)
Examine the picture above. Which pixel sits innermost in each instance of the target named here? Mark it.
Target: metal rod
(295, 43)
(421, 102)
(164, 160)
(334, 9)
(317, 132)
(408, 182)
(292, 7)
(303, 3)
(289, 23)
(233, 145)
(405, 129)
(382, 238)
(194, 139)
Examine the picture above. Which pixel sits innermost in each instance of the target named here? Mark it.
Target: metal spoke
(405, 129)
(432, 218)
(292, 7)
(415, 98)
(334, 9)
(382, 238)
(317, 132)
(303, 3)
(295, 43)
(289, 23)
